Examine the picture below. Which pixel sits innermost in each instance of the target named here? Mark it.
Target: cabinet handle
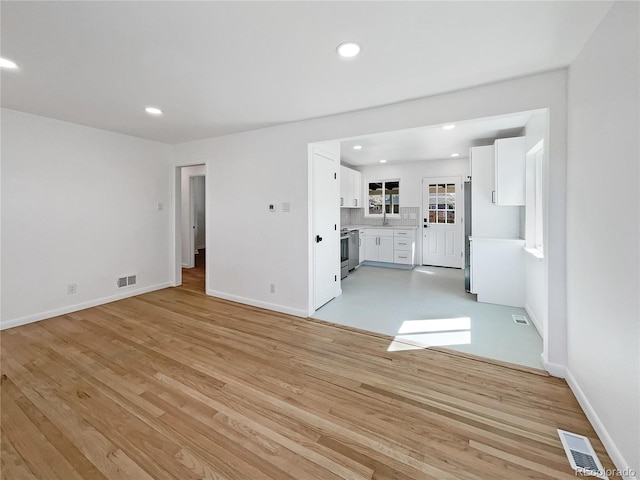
(355, 202)
(400, 243)
(493, 196)
(341, 201)
(359, 242)
(402, 256)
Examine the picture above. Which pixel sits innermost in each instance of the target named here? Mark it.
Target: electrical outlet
(272, 207)
(72, 288)
(272, 288)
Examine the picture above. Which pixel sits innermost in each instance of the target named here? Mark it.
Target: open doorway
(402, 195)
(192, 226)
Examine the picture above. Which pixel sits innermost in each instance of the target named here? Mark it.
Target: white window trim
(534, 207)
(539, 191)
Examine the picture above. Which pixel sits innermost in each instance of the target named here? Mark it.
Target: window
(534, 207)
(442, 203)
(384, 197)
(539, 165)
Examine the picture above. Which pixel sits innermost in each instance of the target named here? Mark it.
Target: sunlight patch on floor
(419, 334)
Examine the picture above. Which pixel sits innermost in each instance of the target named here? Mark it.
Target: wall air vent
(581, 456)
(520, 319)
(126, 281)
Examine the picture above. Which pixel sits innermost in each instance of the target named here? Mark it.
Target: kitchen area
(477, 291)
(374, 230)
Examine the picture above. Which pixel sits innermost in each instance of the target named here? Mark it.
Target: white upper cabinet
(344, 178)
(356, 197)
(350, 188)
(509, 183)
(487, 219)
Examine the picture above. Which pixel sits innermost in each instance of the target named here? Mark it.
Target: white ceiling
(431, 142)
(222, 67)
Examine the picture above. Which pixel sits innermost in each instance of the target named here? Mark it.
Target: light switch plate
(286, 207)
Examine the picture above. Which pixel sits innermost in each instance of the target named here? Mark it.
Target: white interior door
(326, 238)
(442, 206)
(199, 206)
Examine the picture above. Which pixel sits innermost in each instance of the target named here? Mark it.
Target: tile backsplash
(345, 215)
(356, 216)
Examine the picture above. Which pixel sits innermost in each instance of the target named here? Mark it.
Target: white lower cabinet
(390, 245)
(497, 270)
(379, 245)
(403, 250)
(385, 249)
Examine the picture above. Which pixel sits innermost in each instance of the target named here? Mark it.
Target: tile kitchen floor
(428, 306)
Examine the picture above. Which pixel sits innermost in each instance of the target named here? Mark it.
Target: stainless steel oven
(344, 255)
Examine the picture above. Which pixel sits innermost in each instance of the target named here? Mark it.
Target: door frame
(176, 255)
(330, 150)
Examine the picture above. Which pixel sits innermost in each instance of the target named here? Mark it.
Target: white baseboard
(36, 317)
(554, 369)
(298, 312)
(598, 426)
(534, 319)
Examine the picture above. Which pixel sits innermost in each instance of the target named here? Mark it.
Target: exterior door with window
(442, 204)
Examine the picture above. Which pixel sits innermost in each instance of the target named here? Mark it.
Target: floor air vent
(520, 319)
(582, 457)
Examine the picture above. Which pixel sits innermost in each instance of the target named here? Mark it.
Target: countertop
(364, 227)
(494, 239)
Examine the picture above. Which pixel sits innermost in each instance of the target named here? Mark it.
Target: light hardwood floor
(177, 385)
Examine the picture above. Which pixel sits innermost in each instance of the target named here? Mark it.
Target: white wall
(254, 168)
(79, 205)
(185, 222)
(603, 227)
(411, 175)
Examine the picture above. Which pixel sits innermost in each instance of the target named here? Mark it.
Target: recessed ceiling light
(348, 49)
(357, 147)
(5, 63)
(383, 161)
(153, 110)
(455, 154)
(448, 127)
